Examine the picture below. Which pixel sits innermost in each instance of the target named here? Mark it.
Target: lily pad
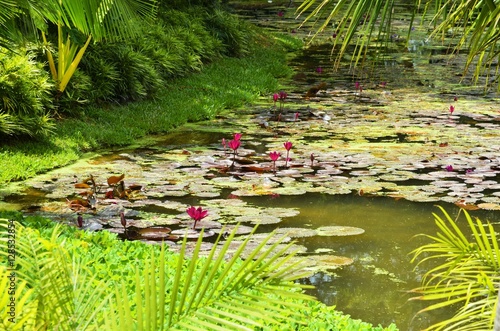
(338, 230)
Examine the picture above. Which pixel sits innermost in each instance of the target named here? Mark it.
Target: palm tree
(467, 273)
(93, 19)
(475, 21)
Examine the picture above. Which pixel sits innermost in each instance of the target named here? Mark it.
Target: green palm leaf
(467, 274)
(213, 293)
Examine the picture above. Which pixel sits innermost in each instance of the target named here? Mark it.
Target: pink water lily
(237, 136)
(196, 214)
(296, 116)
(319, 70)
(288, 147)
(274, 157)
(449, 167)
(275, 97)
(234, 145)
(452, 109)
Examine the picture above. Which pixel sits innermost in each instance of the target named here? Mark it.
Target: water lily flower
(452, 109)
(282, 96)
(274, 157)
(281, 13)
(319, 70)
(468, 171)
(237, 136)
(234, 145)
(357, 85)
(275, 98)
(296, 116)
(288, 147)
(196, 214)
(449, 167)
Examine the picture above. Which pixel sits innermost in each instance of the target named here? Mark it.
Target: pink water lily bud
(274, 155)
(283, 95)
(288, 145)
(452, 109)
(296, 117)
(237, 136)
(449, 167)
(234, 144)
(276, 97)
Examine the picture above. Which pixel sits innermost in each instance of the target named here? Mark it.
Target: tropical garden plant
(465, 272)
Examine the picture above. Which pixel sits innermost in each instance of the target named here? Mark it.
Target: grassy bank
(224, 85)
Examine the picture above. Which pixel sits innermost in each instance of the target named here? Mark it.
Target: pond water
(381, 160)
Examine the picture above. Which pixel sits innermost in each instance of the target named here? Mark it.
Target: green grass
(225, 85)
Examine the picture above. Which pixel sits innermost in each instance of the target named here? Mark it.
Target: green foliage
(467, 273)
(475, 24)
(25, 92)
(92, 281)
(235, 34)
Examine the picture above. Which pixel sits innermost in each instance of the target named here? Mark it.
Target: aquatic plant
(234, 145)
(282, 97)
(288, 147)
(449, 167)
(312, 159)
(197, 214)
(452, 109)
(274, 157)
(319, 70)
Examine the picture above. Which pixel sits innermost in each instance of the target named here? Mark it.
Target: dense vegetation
(185, 65)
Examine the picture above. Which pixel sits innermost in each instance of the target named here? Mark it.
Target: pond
(368, 164)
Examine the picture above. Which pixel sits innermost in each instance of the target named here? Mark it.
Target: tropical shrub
(26, 95)
(466, 273)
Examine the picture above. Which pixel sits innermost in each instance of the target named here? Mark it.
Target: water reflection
(375, 287)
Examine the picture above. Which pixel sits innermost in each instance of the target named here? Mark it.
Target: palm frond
(467, 273)
(213, 293)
